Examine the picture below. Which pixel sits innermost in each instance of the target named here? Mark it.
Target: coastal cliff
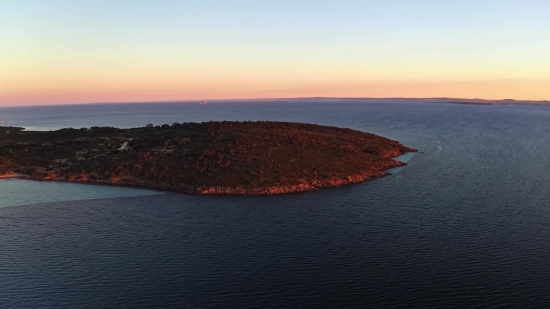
(255, 158)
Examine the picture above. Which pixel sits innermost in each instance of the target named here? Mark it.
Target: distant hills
(441, 100)
(405, 100)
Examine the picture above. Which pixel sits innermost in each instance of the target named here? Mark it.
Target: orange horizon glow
(142, 51)
(535, 90)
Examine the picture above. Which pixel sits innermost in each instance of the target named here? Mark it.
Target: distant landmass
(412, 100)
(202, 158)
(437, 100)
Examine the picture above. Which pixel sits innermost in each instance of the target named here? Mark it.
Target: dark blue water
(465, 225)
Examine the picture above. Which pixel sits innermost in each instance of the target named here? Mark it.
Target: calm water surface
(16, 192)
(465, 225)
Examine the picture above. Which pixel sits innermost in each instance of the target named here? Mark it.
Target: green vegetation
(202, 158)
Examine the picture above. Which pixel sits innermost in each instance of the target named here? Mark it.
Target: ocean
(466, 224)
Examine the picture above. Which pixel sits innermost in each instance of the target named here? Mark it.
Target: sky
(87, 51)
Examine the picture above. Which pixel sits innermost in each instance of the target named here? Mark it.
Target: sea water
(15, 192)
(465, 224)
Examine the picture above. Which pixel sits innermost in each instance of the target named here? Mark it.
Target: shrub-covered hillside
(203, 158)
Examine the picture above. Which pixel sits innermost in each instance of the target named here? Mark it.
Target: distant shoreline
(437, 100)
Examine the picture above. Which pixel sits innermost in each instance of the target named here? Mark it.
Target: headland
(236, 158)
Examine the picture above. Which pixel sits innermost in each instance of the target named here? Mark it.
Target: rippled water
(465, 225)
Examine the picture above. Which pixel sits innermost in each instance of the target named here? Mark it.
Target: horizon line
(288, 98)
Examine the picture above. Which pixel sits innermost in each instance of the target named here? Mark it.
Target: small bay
(16, 192)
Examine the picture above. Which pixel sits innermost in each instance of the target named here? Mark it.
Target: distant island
(256, 158)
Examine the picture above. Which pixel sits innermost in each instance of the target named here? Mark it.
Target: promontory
(256, 158)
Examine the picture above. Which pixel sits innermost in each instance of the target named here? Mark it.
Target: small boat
(202, 103)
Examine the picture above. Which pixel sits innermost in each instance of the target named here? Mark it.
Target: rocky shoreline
(311, 185)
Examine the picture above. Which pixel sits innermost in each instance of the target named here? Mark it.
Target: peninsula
(256, 158)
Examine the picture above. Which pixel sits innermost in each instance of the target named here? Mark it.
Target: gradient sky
(78, 51)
